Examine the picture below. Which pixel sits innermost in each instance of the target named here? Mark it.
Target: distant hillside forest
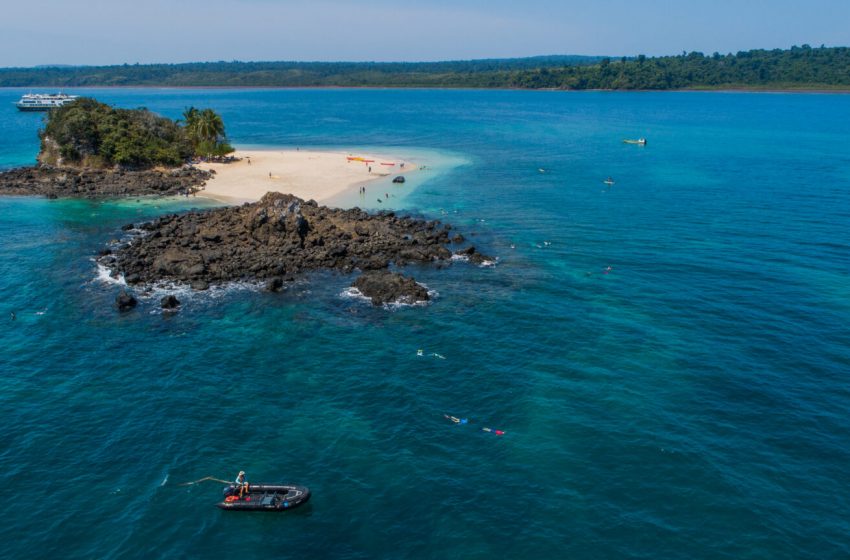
(796, 68)
(288, 74)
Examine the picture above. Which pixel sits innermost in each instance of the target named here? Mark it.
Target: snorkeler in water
(492, 431)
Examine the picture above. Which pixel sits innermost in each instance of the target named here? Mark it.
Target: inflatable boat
(264, 497)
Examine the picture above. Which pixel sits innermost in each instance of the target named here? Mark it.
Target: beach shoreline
(308, 174)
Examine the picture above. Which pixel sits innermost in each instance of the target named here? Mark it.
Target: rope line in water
(206, 478)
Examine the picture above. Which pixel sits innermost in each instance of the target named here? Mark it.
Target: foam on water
(104, 275)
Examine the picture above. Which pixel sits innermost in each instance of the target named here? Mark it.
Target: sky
(95, 32)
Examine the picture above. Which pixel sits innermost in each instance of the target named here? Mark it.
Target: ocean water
(668, 355)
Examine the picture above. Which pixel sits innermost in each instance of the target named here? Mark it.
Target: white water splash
(104, 275)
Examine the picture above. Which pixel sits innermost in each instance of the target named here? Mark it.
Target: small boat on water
(609, 181)
(639, 141)
(264, 497)
(43, 101)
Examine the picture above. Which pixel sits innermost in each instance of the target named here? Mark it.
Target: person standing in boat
(242, 483)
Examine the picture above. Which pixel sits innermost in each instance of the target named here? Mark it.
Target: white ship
(43, 101)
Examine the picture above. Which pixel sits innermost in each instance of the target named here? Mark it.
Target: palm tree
(205, 129)
(190, 120)
(210, 127)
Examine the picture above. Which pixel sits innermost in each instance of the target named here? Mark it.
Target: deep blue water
(692, 402)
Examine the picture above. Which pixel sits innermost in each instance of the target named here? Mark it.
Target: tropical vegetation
(205, 130)
(93, 134)
(283, 74)
(801, 67)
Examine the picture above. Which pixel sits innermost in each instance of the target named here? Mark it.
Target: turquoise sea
(690, 402)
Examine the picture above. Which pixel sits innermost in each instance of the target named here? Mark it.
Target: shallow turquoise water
(690, 403)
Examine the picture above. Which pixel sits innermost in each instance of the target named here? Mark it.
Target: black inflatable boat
(264, 497)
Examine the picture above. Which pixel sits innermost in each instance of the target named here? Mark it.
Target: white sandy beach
(307, 174)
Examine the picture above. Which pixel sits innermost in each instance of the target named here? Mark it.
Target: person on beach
(270, 174)
(241, 483)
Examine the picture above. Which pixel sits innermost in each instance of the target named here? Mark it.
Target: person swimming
(455, 419)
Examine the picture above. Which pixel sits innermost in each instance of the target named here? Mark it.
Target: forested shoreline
(804, 67)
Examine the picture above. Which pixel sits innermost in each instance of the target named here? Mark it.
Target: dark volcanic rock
(55, 182)
(200, 285)
(474, 256)
(275, 284)
(388, 287)
(279, 237)
(125, 301)
(170, 302)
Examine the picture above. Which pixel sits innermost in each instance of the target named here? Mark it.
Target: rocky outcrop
(125, 301)
(384, 287)
(169, 303)
(60, 182)
(474, 256)
(273, 239)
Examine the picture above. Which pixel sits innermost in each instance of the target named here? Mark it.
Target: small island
(92, 150)
(89, 149)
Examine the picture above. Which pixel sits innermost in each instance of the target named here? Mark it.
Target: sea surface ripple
(668, 355)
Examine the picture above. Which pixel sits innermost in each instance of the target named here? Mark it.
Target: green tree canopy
(89, 133)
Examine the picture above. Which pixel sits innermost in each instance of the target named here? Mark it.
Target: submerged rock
(275, 284)
(170, 302)
(384, 287)
(125, 301)
(474, 256)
